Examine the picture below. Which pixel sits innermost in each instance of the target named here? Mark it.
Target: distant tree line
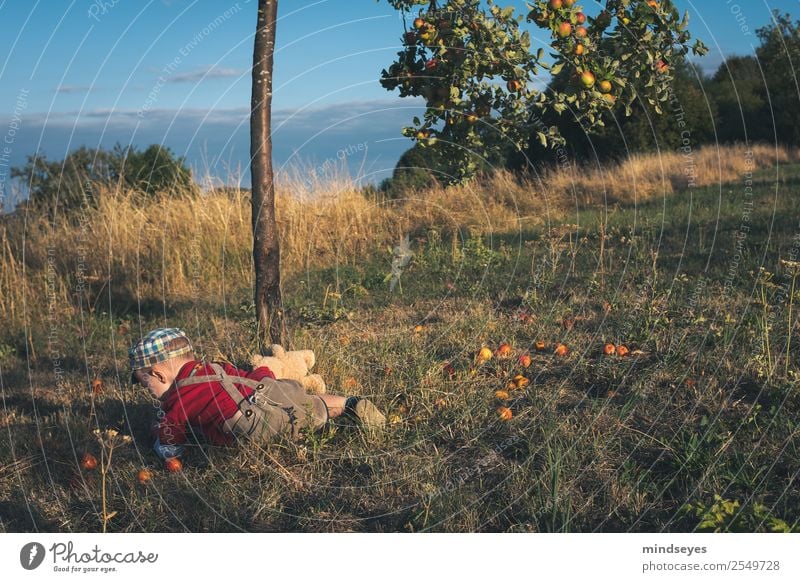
(748, 99)
(77, 180)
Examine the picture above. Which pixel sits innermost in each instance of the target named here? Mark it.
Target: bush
(74, 182)
(415, 170)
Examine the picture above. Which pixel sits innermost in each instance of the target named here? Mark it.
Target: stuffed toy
(292, 365)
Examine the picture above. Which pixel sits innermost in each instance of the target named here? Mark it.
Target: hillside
(690, 262)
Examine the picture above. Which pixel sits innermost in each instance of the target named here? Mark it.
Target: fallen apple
(173, 464)
(504, 412)
(89, 462)
(504, 351)
(520, 381)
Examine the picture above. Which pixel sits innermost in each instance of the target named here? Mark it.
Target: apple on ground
(173, 464)
(504, 351)
(89, 462)
(504, 413)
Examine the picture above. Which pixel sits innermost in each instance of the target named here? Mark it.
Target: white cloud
(74, 88)
(206, 73)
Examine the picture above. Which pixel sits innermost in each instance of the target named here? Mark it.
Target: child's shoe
(365, 411)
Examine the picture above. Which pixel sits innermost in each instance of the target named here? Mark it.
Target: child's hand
(167, 451)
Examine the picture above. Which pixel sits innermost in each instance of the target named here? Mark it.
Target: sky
(176, 72)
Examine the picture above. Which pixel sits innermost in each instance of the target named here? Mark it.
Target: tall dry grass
(644, 176)
(199, 246)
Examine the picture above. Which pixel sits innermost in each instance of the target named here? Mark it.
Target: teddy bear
(292, 365)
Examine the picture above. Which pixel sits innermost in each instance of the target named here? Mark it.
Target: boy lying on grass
(225, 404)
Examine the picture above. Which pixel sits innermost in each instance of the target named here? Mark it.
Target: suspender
(244, 404)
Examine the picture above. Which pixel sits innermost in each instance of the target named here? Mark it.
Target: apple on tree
(483, 63)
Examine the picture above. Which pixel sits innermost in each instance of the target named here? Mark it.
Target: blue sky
(96, 72)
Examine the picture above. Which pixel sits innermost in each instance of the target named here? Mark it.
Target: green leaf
(542, 138)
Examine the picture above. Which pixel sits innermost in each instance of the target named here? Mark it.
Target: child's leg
(335, 404)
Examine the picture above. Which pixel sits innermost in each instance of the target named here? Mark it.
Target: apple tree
(473, 65)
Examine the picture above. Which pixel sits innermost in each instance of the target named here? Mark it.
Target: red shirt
(202, 407)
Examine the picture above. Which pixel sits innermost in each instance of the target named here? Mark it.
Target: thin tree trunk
(266, 249)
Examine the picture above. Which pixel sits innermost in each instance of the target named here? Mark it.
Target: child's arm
(170, 433)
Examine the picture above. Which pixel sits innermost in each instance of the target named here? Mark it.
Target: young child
(225, 404)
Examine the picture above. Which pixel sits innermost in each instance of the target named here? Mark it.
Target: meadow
(689, 261)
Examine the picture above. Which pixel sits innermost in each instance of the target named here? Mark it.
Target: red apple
(173, 464)
(89, 462)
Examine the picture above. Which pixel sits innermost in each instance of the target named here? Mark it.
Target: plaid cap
(152, 349)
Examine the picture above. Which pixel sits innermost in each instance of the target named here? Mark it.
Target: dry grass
(644, 176)
(706, 403)
(185, 246)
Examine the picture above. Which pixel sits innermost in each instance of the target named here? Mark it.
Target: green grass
(642, 443)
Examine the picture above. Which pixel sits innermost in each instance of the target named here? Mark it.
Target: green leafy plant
(726, 515)
(6, 351)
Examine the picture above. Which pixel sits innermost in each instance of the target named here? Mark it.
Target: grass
(696, 430)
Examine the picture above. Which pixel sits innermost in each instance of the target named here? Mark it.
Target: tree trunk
(266, 249)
